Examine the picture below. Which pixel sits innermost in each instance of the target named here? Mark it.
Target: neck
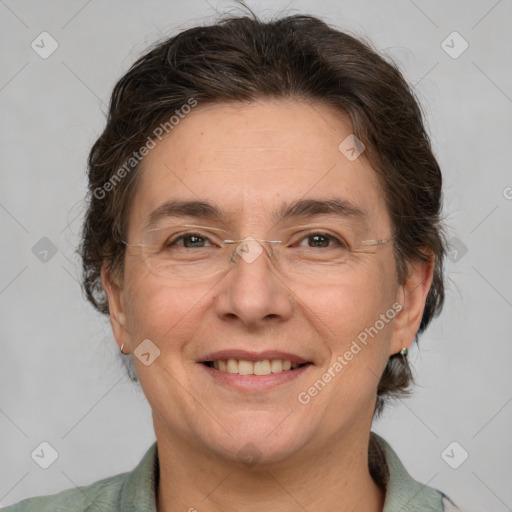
(333, 477)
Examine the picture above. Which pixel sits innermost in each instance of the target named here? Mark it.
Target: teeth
(262, 367)
(244, 367)
(232, 366)
(276, 365)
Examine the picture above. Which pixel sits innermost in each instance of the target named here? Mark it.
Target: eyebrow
(300, 209)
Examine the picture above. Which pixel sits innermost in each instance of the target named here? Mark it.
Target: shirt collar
(403, 493)
(139, 490)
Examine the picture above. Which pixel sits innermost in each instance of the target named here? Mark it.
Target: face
(249, 162)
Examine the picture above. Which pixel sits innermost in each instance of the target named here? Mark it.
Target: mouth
(254, 371)
(259, 367)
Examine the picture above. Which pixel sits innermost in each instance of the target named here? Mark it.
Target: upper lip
(253, 356)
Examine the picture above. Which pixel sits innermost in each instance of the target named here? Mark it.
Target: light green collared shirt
(135, 491)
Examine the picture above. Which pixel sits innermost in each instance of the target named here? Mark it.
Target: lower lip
(255, 382)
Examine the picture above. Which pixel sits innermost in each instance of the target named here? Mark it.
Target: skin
(250, 158)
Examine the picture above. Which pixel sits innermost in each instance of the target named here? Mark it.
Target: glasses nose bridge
(250, 248)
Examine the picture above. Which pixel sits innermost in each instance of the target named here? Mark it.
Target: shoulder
(101, 495)
(133, 491)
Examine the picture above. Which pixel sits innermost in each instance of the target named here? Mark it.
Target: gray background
(61, 380)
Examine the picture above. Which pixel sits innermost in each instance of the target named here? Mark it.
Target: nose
(253, 293)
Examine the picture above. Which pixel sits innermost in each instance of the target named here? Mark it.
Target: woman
(264, 233)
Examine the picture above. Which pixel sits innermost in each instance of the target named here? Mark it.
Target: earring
(404, 352)
(122, 346)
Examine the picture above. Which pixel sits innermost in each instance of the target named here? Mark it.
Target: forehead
(251, 160)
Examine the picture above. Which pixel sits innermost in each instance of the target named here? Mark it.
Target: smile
(244, 367)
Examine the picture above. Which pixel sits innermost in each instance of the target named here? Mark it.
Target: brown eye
(322, 240)
(319, 241)
(188, 240)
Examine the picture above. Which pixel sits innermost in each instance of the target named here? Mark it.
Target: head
(251, 117)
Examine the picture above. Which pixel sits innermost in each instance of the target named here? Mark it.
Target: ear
(412, 296)
(116, 306)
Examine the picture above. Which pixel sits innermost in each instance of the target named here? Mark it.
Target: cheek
(160, 311)
(356, 316)
(357, 300)
(358, 340)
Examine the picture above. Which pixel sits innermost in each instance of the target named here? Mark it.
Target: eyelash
(338, 241)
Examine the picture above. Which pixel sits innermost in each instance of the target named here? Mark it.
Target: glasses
(192, 252)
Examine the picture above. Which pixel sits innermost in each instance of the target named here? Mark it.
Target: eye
(189, 240)
(320, 240)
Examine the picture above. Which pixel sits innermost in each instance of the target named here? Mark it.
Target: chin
(257, 441)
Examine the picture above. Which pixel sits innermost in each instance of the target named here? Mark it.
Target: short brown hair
(245, 59)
